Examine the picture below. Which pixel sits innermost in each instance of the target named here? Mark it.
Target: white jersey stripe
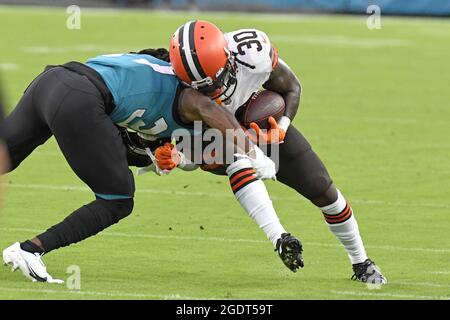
(156, 67)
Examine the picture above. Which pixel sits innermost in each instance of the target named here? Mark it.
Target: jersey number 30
(247, 39)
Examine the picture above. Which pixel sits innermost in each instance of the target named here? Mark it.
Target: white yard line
(422, 284)
(222, 195)
(375, 142)
(87, 47)
(151, 236)
(417, 249)
(402, 204)
(5, 66)
(107, 294)
(230, 240)
(437, 272)
(339, 40)
(387, 295)
(390, 168)
(372, 119)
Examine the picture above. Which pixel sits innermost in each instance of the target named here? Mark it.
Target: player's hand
(274, 135)
(167, 157)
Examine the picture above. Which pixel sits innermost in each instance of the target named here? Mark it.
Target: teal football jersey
(144, 89)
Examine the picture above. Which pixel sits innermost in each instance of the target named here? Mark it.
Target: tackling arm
(195, 106)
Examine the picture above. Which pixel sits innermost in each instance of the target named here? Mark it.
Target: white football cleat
(30, 264)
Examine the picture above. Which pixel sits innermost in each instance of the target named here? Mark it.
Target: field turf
(375, 106)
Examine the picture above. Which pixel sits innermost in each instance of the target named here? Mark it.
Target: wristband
(284, 123)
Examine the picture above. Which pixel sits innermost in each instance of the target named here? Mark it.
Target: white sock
(339, 218)
(254, 198)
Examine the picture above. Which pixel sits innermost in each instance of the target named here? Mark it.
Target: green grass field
(375, 106)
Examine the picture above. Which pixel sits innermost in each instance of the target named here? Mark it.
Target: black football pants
(67, 105)
(300, 168)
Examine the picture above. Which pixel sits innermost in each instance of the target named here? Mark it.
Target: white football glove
(263, 165)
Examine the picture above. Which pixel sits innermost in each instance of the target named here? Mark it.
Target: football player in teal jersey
(82, 106)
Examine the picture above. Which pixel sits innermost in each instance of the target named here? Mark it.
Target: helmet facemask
(225, 83)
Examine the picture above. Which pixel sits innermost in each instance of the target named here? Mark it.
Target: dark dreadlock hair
(159, 53)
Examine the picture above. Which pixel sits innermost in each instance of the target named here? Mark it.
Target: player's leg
(252, 195)
(24, 129)
(93, 147)
(250, 192)
(301, 169)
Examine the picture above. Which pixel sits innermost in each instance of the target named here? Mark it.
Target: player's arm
(194, 106)
(285, 82)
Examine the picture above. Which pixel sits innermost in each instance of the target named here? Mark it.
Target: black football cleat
(290, 250)
(368, 272)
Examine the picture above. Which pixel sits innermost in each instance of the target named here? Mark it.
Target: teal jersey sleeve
(144, 90)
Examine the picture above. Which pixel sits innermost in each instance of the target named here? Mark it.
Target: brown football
(260, 107)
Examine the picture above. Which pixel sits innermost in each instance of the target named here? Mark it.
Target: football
(261, 106)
